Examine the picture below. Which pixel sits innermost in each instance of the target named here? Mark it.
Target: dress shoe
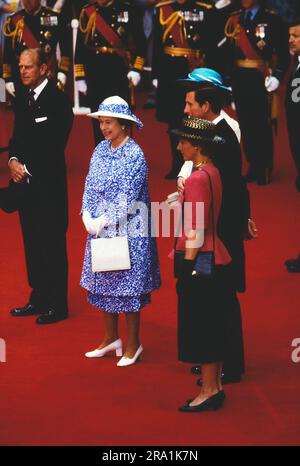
(51, 317)
(293, 265)
(196, 370)
(225, 380)
(99, 353)
(28, 310)
(211, 404)
(124, 361)
(221, 393)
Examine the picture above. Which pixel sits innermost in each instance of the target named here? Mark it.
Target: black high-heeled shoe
(221, 393)
(211, 404)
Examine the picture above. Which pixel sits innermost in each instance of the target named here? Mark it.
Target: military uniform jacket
(182, 41)
(264, 40)
(110, 36)
(44, 30)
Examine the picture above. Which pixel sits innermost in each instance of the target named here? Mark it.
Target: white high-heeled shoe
(124, 361)
(99, 353)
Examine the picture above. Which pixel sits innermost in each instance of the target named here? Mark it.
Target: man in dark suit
(205, 99)
(38, 190)
(292, 103)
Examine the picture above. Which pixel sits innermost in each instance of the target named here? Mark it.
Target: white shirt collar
(231, 122)
(40, 88)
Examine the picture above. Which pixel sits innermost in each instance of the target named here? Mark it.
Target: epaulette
(235, 13)
(168, 2)
(205, 5)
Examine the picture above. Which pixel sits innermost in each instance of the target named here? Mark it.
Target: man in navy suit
(292, 104)
(38, 187)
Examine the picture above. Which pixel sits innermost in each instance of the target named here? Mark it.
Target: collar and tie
(31, 99)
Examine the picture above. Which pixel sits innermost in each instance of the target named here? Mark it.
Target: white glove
(155, 83)
(62, 78)
(10, 87)
(134, 77)
(93, 225)
(271, 83)
(81, 86)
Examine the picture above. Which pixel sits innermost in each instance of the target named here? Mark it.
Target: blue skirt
(119, 304)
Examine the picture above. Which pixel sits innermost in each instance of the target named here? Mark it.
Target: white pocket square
(39, 120)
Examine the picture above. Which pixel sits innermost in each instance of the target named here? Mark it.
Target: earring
(123, 127)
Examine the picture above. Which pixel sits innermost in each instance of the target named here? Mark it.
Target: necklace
(200, 165)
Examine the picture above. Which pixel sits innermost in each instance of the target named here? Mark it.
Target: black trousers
(253, 110)
(44, 236)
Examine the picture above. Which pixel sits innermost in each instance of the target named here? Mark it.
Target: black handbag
(205, 260)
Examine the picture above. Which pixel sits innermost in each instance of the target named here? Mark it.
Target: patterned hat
(116, 107)
(197, 129)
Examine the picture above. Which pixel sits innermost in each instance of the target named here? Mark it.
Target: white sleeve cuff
(13, 158)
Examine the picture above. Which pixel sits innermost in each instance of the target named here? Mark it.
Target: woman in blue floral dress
(116, 202)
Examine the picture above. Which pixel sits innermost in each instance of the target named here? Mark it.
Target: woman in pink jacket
(204, 280)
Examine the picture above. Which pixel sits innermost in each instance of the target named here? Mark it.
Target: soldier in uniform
(35, 26)
(181, 43)
(258, 57)
(110, 52)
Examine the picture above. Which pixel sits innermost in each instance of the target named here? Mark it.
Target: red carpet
(50, 394)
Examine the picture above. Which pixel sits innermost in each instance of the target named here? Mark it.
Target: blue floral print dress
(117, 187)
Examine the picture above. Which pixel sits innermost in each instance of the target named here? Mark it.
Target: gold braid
(170, 23)
(89, 29)
(15, 33)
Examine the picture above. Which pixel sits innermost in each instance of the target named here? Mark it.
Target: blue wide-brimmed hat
(116, 107)
(205, 76)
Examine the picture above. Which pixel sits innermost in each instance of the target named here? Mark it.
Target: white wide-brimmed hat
(116, 107)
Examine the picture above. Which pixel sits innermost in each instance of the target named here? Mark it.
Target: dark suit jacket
(38, 141)
(235, 210)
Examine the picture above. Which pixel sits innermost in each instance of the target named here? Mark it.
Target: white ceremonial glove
(93, 225)
(62, 78)
(81, 86)
(271, 83)
(155, 83)
(134, 77)
(10, 87)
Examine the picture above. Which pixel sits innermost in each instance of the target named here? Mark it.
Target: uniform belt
(183, 52)
(252, 63)
(110, 50)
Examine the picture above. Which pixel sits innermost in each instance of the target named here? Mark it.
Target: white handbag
(110, 254)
